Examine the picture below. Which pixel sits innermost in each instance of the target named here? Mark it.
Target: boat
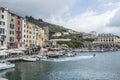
(31, 59)
(6, 65)
(70, 54)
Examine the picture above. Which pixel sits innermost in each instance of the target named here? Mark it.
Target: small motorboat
(31, 59)
(70, 54)
(6, 65)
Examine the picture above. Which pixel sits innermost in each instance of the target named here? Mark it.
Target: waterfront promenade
(3, 79)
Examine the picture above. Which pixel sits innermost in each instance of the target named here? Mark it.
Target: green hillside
(52, 27)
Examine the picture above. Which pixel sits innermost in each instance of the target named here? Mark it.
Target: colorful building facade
(40, 36)
(17, 32)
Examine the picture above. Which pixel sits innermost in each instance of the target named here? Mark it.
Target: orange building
(40, 36)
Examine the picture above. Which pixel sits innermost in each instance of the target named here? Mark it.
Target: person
(94, 55)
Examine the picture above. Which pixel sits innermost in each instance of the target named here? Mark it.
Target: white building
(106, 38)
(24, 32)
(57, 34)
(34, 35)
(11, 21)
(3, 27)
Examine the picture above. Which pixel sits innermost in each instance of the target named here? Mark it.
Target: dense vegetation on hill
(72, 43)
(76, 41)
(52, 27)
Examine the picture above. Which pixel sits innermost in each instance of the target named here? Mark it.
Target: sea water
(83, 66)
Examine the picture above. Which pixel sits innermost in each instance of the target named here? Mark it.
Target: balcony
(2, 37)
(18, 31)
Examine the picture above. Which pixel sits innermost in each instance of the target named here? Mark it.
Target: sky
(101, 16)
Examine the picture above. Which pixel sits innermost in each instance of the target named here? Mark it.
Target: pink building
(18, 32)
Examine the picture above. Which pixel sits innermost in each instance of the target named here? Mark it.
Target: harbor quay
(3, 79)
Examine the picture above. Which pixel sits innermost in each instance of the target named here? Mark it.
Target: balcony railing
(2, 37)
(19, 31)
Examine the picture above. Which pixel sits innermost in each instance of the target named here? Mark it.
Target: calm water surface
(105, 66)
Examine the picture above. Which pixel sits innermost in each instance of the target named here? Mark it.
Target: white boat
(70, 54)
(6, 65)
(31, 59)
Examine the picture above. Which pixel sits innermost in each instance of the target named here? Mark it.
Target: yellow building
(93, 33)
(40, 36)
(29, 34)
(118, 40)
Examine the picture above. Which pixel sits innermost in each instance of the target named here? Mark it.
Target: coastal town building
(39, 36)
(118, 39)
(3, 26)
(93, 33)
(72, 31)
(35, 35)
(53, 42)
(24, 32)
(29, 34)
(65, 33)
(11, 30)
(88, 36)
(46, 36)
(107, 38)
(57, 34)
(17, 32)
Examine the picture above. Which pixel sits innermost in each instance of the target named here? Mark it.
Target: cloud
(116, 4)
(37, 8)
(89, 21)
(99, 18)
(115, 20)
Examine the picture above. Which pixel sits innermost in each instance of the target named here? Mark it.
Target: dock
(18, 58)
(3, 79)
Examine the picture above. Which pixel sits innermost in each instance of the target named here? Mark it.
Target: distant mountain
(52, 27)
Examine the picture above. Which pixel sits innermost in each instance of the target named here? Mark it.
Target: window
(11, 39)
(2, 10)
(18, 17)
(12, 26)
(12, 20)
(29, 41)
(3, 31)
(1, 43)
(18, 22)
(18, 28)
(2, 16)
(12, 32)
(3, 23)
(24, 36)
(24, 25)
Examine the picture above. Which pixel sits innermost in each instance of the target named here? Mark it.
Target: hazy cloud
(37, 8)
(115, 20)
(99, 18)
